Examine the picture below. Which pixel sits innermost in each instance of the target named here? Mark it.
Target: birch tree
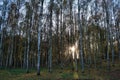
(50, 35)
(80, 29)
(39, 36)
(13, 18)
(108, 31)
(2, 25)
(28, 24)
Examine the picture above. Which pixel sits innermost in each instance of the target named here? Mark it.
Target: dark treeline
(49, 33)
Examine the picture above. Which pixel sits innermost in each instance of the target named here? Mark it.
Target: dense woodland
(59, 33)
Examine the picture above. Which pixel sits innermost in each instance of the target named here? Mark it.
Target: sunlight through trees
(80, 34)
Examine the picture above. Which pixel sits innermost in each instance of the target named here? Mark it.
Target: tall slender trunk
(50, 41)
(80, 29)
(12, 48)
(57, 38)
(28, 46)
(39, 37)
(89, 51)
(1, 30)
(29, 26)
(61, 32)
(112, 49)
(108, 34)
(7, 60)
(118, 24)
(1, 42)
(75, 62)
(25, 51)
(95, 51)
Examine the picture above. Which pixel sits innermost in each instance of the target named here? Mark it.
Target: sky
(1, 3)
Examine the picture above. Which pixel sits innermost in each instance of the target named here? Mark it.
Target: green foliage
(16, 71)
(90, 74)
(67, 75)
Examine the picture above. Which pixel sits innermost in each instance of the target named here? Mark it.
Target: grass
(19, 74)
(59, 74)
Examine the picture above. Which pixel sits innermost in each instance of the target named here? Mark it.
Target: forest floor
(59, 74)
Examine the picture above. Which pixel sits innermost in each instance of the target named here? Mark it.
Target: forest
(59, 39)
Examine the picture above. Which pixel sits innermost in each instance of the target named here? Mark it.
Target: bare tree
(39, 36)
(80, 29)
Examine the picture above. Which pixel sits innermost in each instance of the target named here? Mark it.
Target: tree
(2, 25)
(108, 31)
(28, 24)
(80, 29)
(12, 21)
(50, 35)
(39, 37)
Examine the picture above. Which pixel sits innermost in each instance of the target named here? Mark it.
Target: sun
(73, 49)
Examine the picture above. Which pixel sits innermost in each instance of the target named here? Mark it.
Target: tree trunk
(1, 42)
(25, 56)
(80, 29)
(50, 41)
(12, 48)
(39, 38)
(108, 34)
(28, 47)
